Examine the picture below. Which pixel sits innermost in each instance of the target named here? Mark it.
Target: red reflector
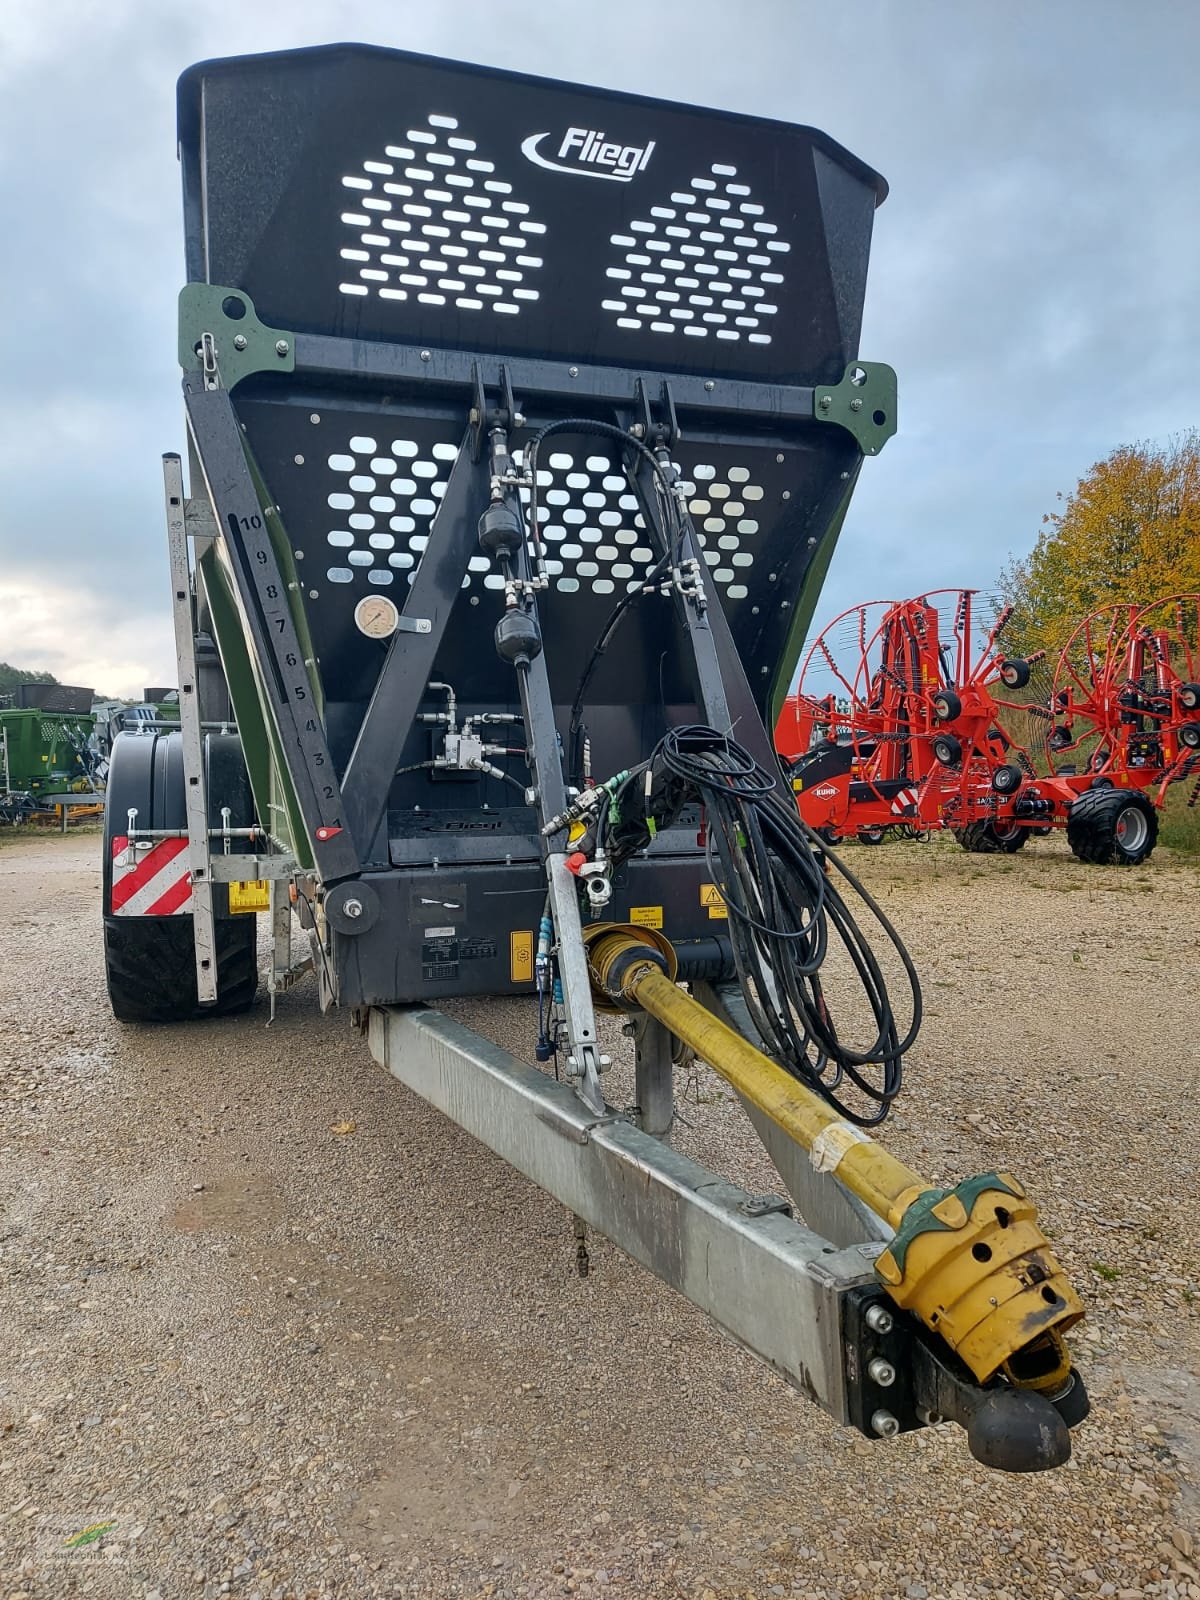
(327, 833)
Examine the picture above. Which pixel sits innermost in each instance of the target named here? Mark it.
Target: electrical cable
(783, 910)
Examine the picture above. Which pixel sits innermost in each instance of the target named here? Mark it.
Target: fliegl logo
(589, 153)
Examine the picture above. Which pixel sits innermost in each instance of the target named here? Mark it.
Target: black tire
(986, 839)
(1189, 696)
(150, 961)
(946, 705)
(1189, 735)
(1007, 779)
(1112, 827)
(1061, 738)
(150, 964)
(1015, 674)
(947, 750)
(827, 835)
(871, 835)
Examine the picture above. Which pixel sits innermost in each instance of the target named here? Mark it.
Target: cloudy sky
(1034, 276)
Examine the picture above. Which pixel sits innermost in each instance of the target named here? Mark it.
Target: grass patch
(1179, 826)
(1103, 1270)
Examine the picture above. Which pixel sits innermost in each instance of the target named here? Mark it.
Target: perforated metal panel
(358, 492)
(387, 196)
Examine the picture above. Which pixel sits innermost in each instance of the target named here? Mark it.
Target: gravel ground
(288, 1360)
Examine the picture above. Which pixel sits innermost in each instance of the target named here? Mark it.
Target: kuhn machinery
(521, 421)
(1125, 703)
(919, 732)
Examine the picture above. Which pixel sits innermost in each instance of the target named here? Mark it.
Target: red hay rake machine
(921, 732)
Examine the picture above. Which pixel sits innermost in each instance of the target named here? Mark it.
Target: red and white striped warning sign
(905, 803)
(150, 883)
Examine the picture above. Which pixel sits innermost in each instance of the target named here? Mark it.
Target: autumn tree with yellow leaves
(1130, 531)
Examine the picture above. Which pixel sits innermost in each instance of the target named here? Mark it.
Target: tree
(1130, 531)
(10, 677)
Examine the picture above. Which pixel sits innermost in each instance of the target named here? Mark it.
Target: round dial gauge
(376, 616)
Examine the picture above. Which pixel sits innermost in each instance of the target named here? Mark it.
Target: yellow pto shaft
(971, 1262)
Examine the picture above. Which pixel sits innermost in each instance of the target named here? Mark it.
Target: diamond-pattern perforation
(387, 494)
(433, 222)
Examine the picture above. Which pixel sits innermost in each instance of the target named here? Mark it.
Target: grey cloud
(1032, 279)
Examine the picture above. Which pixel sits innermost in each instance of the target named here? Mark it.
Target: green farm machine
(45, 753)
(522, 418)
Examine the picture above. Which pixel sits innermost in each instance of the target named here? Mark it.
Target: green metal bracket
(241, 343)
(864, 403)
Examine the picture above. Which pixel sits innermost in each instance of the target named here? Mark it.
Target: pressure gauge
(376, 616)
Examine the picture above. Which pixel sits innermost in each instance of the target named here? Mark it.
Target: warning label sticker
(646, 916)
(711, 897)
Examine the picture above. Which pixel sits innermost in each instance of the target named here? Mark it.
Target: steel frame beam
(774, 1286)
(268, 621)
(408, 665)
(323, 356)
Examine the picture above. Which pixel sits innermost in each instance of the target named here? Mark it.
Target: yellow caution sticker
(646, 916)
(712, 897)
(249, 896)
(520, 956)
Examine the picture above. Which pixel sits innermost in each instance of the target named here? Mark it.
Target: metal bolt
(572, 372)
(825, 402)
(787, 494)
(885, 1424)
(779, 458)
(425, 355)
(282, 347)
(314, 416)
(473, 416)
(518, 419)
(299, 460)
(353, 908)
(312, 594)
(771, 576)
(709, 386)
(879, 1319)
(881, 1372)
(856, 405)
(299, 554)
(930, 1418)
(239, 341)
